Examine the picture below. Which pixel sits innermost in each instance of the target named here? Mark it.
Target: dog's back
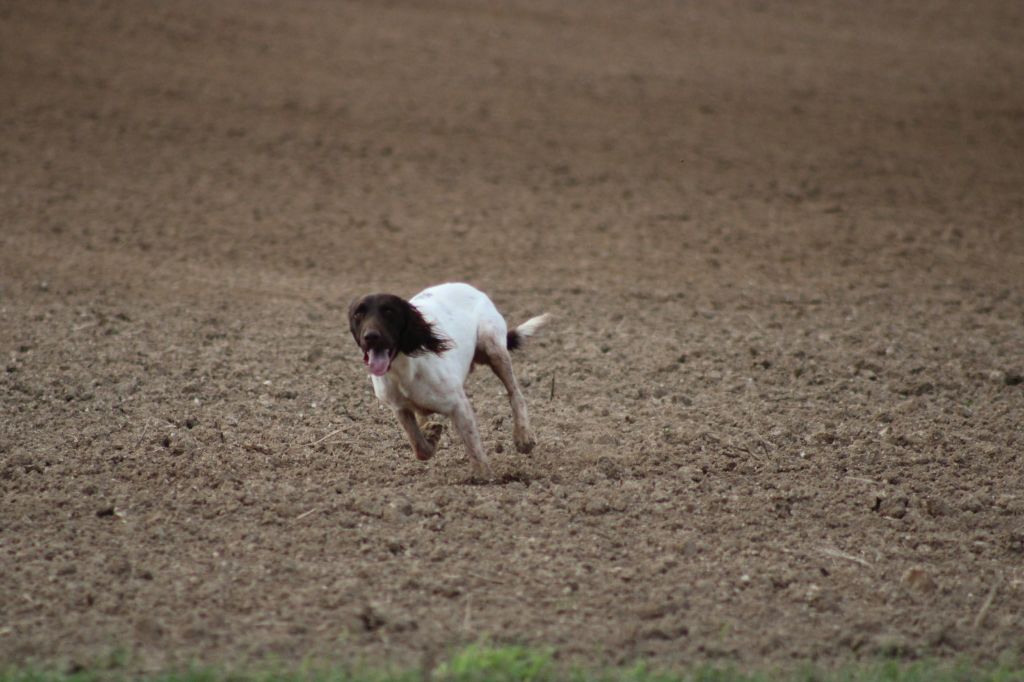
(460, 313)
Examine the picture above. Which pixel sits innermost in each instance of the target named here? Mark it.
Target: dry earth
(780, 409)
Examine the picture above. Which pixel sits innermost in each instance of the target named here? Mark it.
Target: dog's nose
(371, 336)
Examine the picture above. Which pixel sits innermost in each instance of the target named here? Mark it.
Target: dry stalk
(320, 440)
(839, 554)
(986, 605)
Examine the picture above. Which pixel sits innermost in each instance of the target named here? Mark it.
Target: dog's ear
(353, 324)
(419, 336)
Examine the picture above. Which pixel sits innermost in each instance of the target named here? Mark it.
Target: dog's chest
(407, 388)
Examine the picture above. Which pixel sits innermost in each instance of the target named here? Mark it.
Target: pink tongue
(379, 362)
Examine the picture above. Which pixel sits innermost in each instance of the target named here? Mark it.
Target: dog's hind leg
(501, 362)
(422, 445)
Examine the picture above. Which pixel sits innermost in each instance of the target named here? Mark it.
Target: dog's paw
(525, 441)
(432, 432)
(482, 474)
(481, 468)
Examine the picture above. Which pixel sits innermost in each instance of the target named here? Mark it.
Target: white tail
(517, 337)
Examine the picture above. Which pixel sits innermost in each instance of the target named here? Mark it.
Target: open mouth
(378, 360)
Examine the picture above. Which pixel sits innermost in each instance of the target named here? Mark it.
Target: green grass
(481, 663)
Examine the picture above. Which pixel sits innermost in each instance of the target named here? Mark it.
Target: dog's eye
(387, 311)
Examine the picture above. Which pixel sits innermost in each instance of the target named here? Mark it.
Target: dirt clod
(918, 579)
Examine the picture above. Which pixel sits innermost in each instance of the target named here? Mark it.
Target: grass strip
(482, 663)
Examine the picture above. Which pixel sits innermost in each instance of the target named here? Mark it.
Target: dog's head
(385, 325)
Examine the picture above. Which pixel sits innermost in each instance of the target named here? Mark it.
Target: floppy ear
(351, 316)
(419, 336)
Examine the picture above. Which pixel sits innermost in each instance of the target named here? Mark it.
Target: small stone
(924, 388)
(120, 567)
(824, 437)
(893, 507)
(975, 503)
(689, 548)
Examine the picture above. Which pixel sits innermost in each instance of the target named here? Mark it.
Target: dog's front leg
(465, 423)
(423, 448)
(431, 430)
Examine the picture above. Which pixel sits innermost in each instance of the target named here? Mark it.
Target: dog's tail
(517, 337)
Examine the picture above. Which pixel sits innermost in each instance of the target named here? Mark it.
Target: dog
(419, 353)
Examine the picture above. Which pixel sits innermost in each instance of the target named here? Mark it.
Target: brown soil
(780, 409)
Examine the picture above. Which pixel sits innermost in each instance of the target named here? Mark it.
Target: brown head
(385, 325)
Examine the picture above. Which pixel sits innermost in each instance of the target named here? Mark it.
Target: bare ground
(780, 410)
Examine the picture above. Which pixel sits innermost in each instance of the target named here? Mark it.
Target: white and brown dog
(419, 353)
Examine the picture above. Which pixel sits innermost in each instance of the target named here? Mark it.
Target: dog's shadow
(503, 478)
